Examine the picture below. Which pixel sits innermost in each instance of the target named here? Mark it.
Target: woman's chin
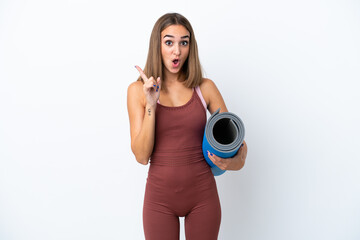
(173, 70)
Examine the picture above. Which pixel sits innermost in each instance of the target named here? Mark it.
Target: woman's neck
(171, 79)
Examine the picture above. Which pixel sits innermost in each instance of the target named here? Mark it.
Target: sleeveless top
(179, 132)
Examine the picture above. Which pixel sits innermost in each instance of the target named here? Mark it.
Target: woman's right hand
(151, 88)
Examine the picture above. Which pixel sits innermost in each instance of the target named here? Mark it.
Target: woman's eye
(185, 43)
(168, 43)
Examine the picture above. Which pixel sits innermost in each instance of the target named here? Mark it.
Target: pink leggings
(181, 191)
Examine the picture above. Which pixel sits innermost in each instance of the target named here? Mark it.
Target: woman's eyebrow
(171, 36)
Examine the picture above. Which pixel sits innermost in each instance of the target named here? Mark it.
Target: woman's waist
(177, 156)
(181, 175)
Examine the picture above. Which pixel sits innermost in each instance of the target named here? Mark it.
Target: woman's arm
(141, 103)
(214, 101)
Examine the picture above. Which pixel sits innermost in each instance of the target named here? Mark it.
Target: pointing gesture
(151, 87)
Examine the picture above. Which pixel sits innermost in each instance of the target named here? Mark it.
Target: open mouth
(175, 62)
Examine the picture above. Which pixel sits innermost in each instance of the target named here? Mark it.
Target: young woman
(167, 111)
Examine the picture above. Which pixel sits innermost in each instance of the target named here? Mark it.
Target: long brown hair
(191, 73)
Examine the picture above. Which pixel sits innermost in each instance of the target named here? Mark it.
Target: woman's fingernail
(211, 154)
(154, 85)
(242, 145)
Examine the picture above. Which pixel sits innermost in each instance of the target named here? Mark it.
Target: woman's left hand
(234, 163)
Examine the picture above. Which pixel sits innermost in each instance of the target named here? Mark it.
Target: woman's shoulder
(207, 88)
(207, 85)
(206, 81)
(135, 91)
(135, 87)
(212, 96)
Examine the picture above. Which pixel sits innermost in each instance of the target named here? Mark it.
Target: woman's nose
(176, 50)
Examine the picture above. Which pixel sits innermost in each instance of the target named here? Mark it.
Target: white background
(289, 69)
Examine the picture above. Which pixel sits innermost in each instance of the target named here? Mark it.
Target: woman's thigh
(160, 223)
(203, 222)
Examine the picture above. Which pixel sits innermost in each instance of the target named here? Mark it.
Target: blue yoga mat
(223, 136)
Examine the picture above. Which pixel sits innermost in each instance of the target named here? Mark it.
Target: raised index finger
(142, 74)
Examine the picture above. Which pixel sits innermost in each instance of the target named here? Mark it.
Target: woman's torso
(177, 163)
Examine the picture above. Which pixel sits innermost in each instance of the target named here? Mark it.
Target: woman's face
(175, 41)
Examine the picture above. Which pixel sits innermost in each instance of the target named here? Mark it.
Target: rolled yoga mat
(223, 136)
